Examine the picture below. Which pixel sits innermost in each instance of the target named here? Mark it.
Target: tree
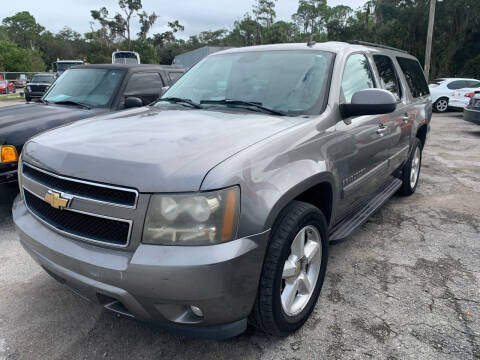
(23, 29)
(13, 58)
(120, 24)
(264, 11)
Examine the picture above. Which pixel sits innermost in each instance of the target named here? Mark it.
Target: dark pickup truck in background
(80, 93)
(39, 85)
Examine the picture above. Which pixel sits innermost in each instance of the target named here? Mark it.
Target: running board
(345, 227)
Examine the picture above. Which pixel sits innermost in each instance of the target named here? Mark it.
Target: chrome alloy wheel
(415, 169)
(442, 105)
(301, 270)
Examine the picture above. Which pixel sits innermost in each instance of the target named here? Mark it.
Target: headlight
(193, 219)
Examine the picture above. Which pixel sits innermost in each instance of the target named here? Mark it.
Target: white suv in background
(452, 92)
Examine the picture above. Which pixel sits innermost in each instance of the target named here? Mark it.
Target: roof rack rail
(358, 42)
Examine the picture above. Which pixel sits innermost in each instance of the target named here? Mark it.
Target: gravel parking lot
(404, 286)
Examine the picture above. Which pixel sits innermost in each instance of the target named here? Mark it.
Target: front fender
(274, 172)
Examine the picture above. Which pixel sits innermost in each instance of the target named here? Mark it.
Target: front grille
(87, 190)
(85, 226)
(38, 88)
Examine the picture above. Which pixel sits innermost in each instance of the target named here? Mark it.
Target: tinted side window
(143, 84)
(388, 75)
(414, 76)
(458, 84)
(357, 75)
(473, 84)
(174, 76)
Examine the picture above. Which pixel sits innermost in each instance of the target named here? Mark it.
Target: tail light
(470, 94)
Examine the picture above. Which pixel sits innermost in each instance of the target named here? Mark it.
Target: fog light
(196, 310)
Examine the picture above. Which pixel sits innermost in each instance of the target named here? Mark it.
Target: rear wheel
(411, 170)
(441, 105)
(293, 270)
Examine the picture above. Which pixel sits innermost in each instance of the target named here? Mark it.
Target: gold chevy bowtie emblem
(55, 200)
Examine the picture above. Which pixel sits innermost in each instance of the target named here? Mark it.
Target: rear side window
(414, 76)
(357, 75)
(457, 84)
(144, 83)
(388, 75)
(473, 84)
(174, 76)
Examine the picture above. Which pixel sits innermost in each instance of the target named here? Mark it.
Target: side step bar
(345, 227)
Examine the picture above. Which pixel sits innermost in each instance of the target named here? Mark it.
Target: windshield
(3, 82)
(42, 79)
(293, 82)
(93, 87)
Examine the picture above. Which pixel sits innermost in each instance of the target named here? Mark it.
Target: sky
(195, 15)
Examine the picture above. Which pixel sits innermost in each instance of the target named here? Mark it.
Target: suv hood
(18, 123)
(152, 150)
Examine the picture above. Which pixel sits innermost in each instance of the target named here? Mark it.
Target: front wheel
(293, 270)
(411, 170)
(441, 105)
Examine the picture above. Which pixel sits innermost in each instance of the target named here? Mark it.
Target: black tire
(439, 105)
(407, 189)
(268, 314)
(15, 90)
(28, 98)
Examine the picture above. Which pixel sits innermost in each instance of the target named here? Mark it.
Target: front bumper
(35, 94)
(471, 115)
(155, 283)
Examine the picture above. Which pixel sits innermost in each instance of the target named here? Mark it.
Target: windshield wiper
(176, 100)
(44, 101)
(249, 104)
(72, 102)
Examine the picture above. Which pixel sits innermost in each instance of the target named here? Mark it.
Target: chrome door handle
(382, 130)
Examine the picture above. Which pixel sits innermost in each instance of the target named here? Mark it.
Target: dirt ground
(405, 286)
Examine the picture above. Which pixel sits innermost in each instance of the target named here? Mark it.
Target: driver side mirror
(369, 102)
(133, 101)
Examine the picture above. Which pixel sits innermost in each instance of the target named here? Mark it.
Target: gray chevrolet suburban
(216, 205)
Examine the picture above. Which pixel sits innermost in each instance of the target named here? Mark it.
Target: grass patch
(6, 97)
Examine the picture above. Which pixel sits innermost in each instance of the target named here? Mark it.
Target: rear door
(421, 109)
(399, 122)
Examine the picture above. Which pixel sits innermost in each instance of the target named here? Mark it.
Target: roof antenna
(310, 42)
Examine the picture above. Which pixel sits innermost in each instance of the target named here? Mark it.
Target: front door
(362, 155)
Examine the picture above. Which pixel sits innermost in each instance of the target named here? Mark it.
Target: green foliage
(26, 45)
(13, 58)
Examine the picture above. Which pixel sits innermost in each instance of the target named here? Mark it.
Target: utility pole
(428, 51)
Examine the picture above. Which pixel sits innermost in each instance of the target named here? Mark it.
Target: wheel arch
(422, 134)
(319, 190)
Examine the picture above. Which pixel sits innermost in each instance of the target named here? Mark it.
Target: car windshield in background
(3, 82)
(42, 79)
(292, 82)
(93, 87)
(65, 65)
